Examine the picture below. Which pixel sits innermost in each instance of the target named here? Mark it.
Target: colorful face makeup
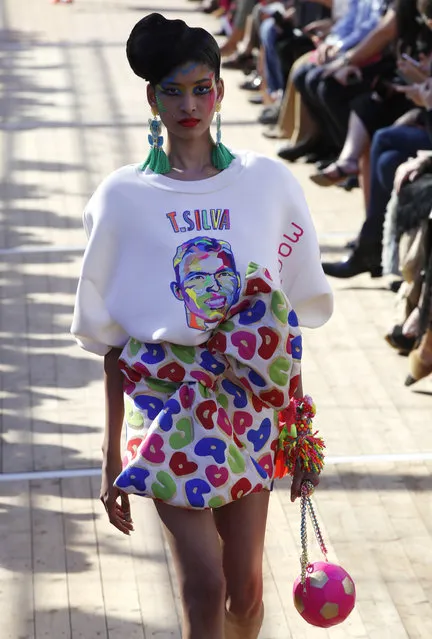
(192, 89)
(160, 105)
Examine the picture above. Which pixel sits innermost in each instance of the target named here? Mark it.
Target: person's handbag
(324, 593)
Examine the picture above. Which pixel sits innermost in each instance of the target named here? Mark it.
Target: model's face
(186, 100)
(208, 284)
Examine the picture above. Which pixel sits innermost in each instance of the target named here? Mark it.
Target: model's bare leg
(241, 526)
(197, 553)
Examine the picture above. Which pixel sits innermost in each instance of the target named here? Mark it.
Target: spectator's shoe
(270, 115)
(400, 342)
(361, 260)
(313, 158)
(352, 244)
(242, 61)
(350, 184)
(253, 82)
(256, 98)
(420, 360)
(324, 163)
(294, 152)
(274, 133)
(209, 6)
(395, 285)
(336, 173)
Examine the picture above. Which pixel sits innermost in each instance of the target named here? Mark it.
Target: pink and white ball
(329, 596)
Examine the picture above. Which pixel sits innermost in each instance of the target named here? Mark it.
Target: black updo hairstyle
(157, 46)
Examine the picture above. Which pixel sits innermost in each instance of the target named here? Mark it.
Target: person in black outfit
(391, 147)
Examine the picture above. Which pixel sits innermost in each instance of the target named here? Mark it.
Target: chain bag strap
(306, 506)
(324, 593)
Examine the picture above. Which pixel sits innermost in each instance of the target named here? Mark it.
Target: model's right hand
(116, 502)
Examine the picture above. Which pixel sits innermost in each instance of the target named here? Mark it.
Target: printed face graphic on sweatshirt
(207, 280)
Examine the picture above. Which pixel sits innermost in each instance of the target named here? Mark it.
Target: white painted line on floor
(378, 459)
(21, 250)
(330, 461)
(50, 474)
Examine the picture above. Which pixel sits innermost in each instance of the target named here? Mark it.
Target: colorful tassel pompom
(297, 442)
(157, 160)
(221, 156)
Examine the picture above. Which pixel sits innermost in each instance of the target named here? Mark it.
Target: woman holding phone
(391, 146)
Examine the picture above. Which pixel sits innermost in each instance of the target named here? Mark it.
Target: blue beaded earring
(221, 156)
(157, 159)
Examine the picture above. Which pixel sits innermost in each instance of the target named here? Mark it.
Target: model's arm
(118, 513)
(114, 405)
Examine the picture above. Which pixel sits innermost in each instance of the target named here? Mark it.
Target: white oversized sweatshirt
(166, 258)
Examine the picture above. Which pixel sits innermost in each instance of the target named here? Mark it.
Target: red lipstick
(189, 122)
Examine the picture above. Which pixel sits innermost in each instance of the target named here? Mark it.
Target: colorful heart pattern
(202, 422)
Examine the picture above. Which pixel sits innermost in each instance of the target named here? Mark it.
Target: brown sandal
(419, 360)
(335, 173)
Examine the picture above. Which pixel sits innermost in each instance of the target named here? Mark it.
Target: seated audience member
(360, 20)
(405, 226)
(407, 250)
(283, 41)
(294, 121)
(420, 358)
(243, 9)
(391, 147)
(382, 106)
(285, 38)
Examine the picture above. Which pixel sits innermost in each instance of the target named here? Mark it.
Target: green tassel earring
(157, 159)
(221, 156)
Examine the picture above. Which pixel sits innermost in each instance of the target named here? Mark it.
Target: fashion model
(202, 264)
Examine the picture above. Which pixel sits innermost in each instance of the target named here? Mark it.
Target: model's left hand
(301, 476)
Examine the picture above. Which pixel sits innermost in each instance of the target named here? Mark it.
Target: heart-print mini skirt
(202, 421)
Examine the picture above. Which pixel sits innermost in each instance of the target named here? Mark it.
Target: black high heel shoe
(363, 259)
(400, 342)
